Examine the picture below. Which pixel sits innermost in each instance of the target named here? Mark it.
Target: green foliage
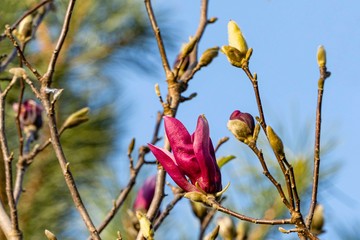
(99, 32)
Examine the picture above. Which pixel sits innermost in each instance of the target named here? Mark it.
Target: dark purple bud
(242, 125)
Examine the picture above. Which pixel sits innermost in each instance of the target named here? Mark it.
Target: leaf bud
(208, 56)
(199, 210)
(275, 142)
(188, 47)
(77, 118)
(213, 234)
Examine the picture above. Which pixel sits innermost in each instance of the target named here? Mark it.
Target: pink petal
(167, 160)
(205, 155)
(182, 147)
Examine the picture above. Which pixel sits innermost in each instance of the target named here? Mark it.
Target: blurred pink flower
(192, 165)
(30, 118)
(145, 194)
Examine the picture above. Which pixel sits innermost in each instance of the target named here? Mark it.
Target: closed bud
(18, 72)
(242, 125)
(321, 56)
(188, 47)
(275, 142)
(236, 38)
(77, 118)
(199, 210)
(227, 228)
(318, 220)
(233, 55)
(25, 28)
(196, 197)
(213, 234)
(242, 230)
(208, 56)
(212, 20)
(50, 235)
(145, 226)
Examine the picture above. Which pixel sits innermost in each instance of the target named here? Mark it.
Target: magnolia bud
(77, 118)
(145, 226)
(321, 56)
(275, 142)
(241, 125)
(199, 210)
(50, 235)
(213, 234)
(208, 56)
(188, 47)
(25, 28)
(233, 55)
(236, 38)
(242, 230)
(318, 220)
(227, 228)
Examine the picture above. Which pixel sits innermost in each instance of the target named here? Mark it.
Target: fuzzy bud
(208, 56)
(213, 234)
(236, 38)
(199, 210)
(145, 226)
(275, 142)
(17, 72)
(321, 56)
(318, 220)
(188, 47)
(233, 55)
(25, 28)
(242, 125)
(227, 228)
(77, 118)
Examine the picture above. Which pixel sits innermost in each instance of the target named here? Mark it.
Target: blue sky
(285, 36)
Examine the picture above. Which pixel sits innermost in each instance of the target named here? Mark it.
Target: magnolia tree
(189, 159)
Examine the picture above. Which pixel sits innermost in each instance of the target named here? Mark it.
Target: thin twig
(166, 212)
(324, 74)
(134, 173)
(220, 208)
(159, 40)
(8, 157)
(21, 53)
(64, 30)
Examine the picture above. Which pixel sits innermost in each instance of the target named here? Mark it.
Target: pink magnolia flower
(192, 165)
(145, 194)
(30, 116)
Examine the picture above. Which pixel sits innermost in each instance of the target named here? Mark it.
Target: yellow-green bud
(321, 56)
(188, 47)
(25, 28)
(275, 142)
(233, 55)
(50, 235)
(318, 220)
(199, 210)
(212, 20)
(196, 197)
(18, 72)
(208, 56)
(236, 38)
(77, 118)
(242, 230)
(227, 228)
(145, 226)
(213, 234)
